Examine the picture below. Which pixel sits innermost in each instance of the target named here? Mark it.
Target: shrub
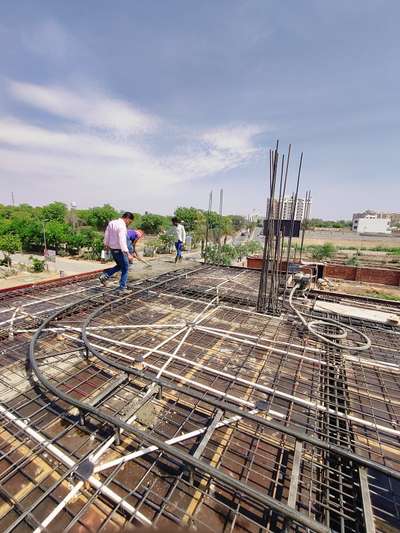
(324, 251)
(165, 243)
(38, 265)
(353, 261)
(220, 255)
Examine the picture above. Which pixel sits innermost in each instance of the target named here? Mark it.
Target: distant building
(302, 212)
(371, 222)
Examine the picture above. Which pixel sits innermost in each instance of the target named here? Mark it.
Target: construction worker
(115, 241)
(133, 237)
(180, 237)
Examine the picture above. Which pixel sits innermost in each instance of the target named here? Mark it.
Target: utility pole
(221, 201)
(73, 215)
(12, 199)
(44, 236)
(207, 220)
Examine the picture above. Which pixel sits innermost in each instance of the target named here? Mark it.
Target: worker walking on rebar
(180, 237)
(115, 241)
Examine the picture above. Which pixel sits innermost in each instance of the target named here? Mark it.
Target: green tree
(55, 211)
(9, 244)
(4, 226)
(99, 217)
(153, 224)
(213, 220)
(238, 222)
(57, 233)
(199, 232)
(226, 228)
(190, 216)
(137, 220)
(74, 241)
(95, 247)
(29, 231)
(319, 223)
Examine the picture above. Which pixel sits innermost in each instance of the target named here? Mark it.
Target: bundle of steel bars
(278, 234)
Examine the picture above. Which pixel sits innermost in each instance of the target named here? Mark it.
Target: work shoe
(103, 279)
(123, 292)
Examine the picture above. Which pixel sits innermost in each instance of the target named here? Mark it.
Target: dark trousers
(122, 265)
(179, 248)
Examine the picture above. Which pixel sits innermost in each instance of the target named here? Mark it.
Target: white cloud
(89, 108)
(236, 139)
(81, 157)
(20, 134)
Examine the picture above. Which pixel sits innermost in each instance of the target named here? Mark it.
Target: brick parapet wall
(382, 276)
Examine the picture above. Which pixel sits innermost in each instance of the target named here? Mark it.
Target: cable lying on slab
(319, 328)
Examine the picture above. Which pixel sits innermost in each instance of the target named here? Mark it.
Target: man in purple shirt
(115, 241)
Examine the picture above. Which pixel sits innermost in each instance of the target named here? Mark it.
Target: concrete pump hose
(314, 324)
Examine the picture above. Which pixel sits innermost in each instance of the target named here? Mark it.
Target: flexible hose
(329, 338)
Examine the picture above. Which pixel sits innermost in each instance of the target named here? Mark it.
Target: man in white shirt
(180, 238)
(115, 240)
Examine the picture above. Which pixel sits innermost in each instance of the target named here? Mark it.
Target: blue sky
(150, 105)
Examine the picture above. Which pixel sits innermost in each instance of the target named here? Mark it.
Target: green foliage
(153, 224)
(238, 222)
(226, 228)
(57, 233)
(75, 241)
(96, 246)
(352, 261)
(387, 249)
(5, 226)
(137, 221)
(319, 223)
(190, 216)
(166, 243)
(9, 244)
(247, 248)
(220, 227)
(38, 265)
(83, 233)
(321, 252)
(56, 211)
(382, 295)
(220, 255)
(199, 232)
(213, 220)
(99, 217)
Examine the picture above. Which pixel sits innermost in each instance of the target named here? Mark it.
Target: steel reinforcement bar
(269, 502)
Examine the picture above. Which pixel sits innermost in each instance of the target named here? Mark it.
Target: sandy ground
(349, 238)
(364, 289)
(346, 238)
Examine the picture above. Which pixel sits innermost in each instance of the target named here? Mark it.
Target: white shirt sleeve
(106, 236)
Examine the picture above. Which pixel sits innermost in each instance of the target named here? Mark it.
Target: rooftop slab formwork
(179, 404)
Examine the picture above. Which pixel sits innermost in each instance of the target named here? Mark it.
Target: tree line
(69, 231)
(319, 223)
